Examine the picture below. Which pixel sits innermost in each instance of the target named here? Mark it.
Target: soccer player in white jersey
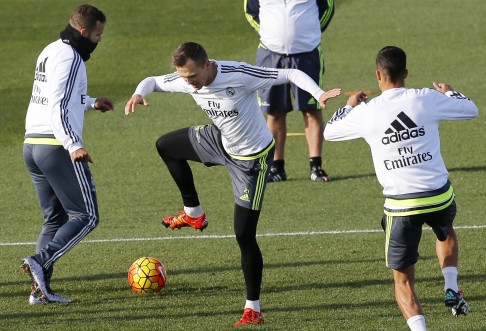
(54, 150)
(238, 139)
(401, 127)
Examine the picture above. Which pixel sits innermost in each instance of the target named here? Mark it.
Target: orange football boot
(250, 316)
(182, 220)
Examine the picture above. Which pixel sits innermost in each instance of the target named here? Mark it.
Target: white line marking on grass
(278, 234)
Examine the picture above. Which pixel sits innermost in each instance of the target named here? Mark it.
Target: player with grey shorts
(238, 138)
(247, 174)
(203, 144)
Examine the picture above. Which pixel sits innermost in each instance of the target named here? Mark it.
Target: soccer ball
(147, 275)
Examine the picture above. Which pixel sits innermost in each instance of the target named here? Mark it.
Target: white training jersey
(230, 101)
(59, 96)
(401, 127)
(299, 26)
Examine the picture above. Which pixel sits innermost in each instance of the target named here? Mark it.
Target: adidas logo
(311, 101)
(403, 128)
(245, 196)
(40, 71)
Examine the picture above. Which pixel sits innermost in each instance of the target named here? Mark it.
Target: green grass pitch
(322, 245)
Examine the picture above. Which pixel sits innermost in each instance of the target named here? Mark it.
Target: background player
(290, 37)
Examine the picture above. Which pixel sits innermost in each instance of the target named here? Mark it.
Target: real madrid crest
(230, 91)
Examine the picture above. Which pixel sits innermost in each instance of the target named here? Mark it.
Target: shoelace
(251, 315)
(179, 219)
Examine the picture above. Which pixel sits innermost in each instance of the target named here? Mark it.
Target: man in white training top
(54, 151)
(401, 127)
(238, 139)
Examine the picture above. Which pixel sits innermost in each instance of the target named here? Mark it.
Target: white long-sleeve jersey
(290, 26)
(401, 127)
(59, 97)
(230, 101)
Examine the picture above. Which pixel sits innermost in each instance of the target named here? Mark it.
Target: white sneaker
(56, 298)
(36, 272)
(36, 299)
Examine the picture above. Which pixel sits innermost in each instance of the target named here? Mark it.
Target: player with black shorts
(401, 127)
(290, 38)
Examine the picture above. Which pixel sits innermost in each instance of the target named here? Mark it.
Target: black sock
(278, 165)
(315, 162)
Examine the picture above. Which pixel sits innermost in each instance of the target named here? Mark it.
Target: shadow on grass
(202, 270)
(211, 270)
(357, 176)
(468, 169)
(153, 310)
(150, 313)
(185, 288)
(333, 178)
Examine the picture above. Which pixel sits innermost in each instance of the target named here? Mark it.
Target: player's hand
(104, 104)
(442, 87)
(328, 95)
(81, 155)
(356, 99)
(133, 102)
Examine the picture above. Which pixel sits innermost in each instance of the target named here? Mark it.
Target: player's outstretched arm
(133, 102)
(328, 95)
(304, 82)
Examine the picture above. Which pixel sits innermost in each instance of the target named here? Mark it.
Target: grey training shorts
(248, 173)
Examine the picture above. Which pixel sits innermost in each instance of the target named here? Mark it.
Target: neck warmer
(82, 45)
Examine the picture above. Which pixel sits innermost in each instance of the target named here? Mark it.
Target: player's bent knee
(161, 145)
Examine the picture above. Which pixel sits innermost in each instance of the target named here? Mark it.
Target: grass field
(322, 244)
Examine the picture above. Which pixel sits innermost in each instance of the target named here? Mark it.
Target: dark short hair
(86, 17)
(189, 50)
(392, 61)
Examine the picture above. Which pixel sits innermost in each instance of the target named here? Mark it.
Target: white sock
(417, 323)
(450, 278)
(255, 305)
(193, 212)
